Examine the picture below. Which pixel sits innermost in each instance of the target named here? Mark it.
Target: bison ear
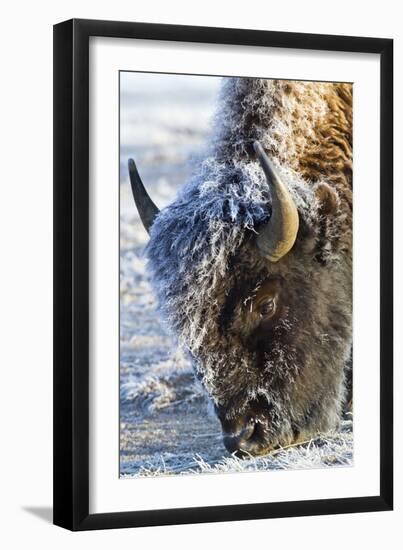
(326, 220)
(326, 199)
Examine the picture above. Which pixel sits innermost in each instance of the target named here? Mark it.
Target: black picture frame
(71, 274)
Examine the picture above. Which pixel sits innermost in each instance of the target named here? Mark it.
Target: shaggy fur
(206, 269)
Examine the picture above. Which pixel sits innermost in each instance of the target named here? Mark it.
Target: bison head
(252, 267)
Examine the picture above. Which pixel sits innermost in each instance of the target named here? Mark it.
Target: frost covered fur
(206, 268)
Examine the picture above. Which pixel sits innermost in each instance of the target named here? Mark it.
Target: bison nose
(239, 435)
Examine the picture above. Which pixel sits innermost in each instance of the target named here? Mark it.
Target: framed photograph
(223, 320)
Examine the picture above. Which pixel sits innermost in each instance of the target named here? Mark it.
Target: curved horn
(277, 237)
(145, 206)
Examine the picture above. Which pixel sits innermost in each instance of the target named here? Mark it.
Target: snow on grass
(325, 451)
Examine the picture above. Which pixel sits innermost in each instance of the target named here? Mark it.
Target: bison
(252, 263)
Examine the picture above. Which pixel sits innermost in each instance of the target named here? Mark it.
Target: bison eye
(267, 308)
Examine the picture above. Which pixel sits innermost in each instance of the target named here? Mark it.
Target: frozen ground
(165, 426)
